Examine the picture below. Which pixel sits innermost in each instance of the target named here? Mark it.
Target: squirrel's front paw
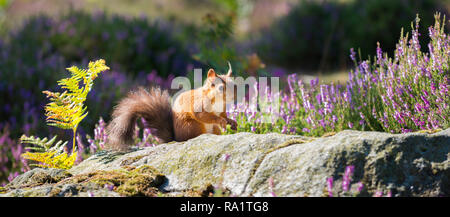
(232, 123)
(223, 123)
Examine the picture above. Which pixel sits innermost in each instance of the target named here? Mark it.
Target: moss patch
(206, 191)
(37, 178)
(128, 181)
(41, 178)
(429, 131)
(131, 160)
(328, 134)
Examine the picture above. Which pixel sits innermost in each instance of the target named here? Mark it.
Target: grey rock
(412, 164)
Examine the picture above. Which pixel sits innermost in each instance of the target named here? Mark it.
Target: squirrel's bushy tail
(153, 106)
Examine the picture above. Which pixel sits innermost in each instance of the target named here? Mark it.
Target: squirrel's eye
(221, 88)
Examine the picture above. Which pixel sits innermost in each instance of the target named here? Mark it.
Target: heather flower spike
(347, 177)
(405, 93)
(271, 187)
(330, 186)
(360, 186)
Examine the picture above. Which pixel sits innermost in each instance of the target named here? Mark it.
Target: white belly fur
(209, 128)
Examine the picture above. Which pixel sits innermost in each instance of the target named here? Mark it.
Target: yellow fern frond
(42, 145)
(65, 110)
(51, 159)
(48, 154)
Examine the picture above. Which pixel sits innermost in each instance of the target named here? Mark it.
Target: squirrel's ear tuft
(229, 69)
(211, 73)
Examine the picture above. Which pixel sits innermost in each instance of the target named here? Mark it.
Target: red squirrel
(180, 122)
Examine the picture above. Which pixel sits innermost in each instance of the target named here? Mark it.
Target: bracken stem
(74, 136)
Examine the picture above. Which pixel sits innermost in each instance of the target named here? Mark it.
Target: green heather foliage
(403, 93)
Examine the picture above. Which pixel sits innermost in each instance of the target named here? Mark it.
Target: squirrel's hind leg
(187, 129)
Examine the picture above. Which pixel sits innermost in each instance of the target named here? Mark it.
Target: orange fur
(180, 122)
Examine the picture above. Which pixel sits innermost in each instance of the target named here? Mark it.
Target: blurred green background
(307, 36)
